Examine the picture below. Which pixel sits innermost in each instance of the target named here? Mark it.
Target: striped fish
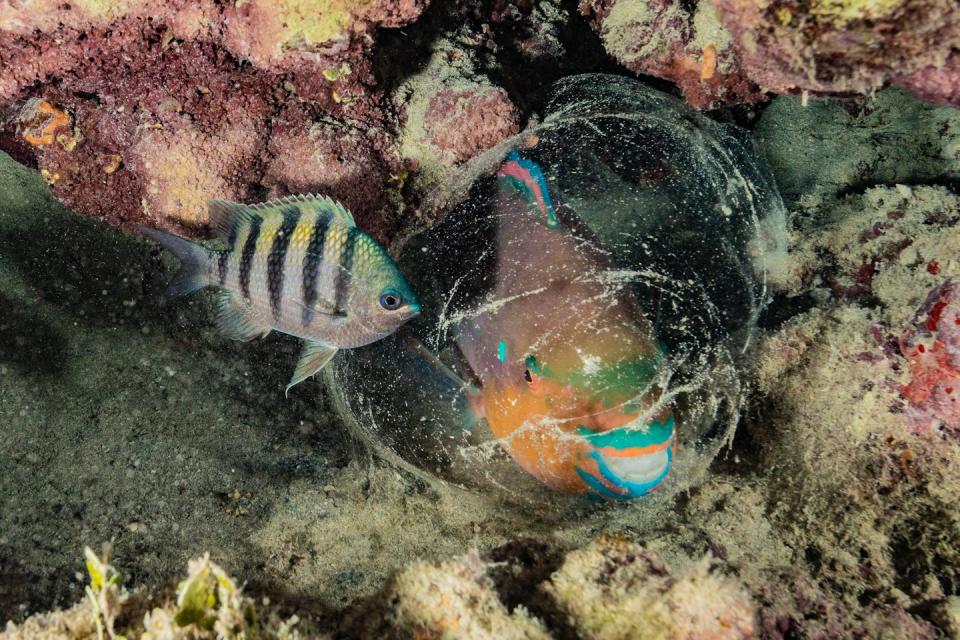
(298, 265)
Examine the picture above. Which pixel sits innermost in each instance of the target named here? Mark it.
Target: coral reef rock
(141, 111)
(874, 453)
(734, 51)
(451, 112)
(842, 46)
(671, 40)
(829, 148)
(938, 84)
(452, 599)
(614, 588)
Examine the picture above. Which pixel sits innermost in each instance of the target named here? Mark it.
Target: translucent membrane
(588, 306)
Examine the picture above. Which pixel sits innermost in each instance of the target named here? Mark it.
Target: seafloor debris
(207, 604)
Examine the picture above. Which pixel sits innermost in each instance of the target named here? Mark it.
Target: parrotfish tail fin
(313, 358)
(527, 178)
(195, 260)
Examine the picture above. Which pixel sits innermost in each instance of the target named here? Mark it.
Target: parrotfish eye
(390, 300)
(532, 372)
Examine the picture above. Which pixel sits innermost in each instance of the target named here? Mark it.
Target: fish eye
(390, 300)
(532, 371)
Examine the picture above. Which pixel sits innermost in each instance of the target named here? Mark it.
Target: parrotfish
(566, 360)
(299, 265)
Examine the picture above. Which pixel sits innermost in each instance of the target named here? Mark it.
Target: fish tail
(195, 260)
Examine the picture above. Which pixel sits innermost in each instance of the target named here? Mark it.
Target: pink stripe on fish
(527, 176)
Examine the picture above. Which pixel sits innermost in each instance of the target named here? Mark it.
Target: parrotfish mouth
(623, 463)
(629, 463)
(626, 478)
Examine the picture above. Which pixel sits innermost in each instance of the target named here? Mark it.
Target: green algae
(830, 147)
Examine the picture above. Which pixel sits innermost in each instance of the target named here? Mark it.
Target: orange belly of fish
(540, 431)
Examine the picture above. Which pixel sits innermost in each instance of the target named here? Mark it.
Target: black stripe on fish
(278, 255)
(246, 258)
(223, 266)
(311, 266)
(232, 239)
(346, 264)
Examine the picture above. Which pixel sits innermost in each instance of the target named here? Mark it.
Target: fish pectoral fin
(320, 308)
(313, 358)
(238, 320)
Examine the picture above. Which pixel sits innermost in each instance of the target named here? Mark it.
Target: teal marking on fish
(656, 433)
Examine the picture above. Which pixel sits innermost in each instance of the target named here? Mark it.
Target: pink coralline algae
(734, 51)
(462, 123)
(936, 84)
(355, 166)
(844, 46)
(931, 345)
(140, 111)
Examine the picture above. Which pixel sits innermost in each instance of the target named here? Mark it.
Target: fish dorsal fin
(225, 215)
(322, 204)
(238, 320)
(313, 358)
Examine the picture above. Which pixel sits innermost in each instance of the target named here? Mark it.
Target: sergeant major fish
(298, 265)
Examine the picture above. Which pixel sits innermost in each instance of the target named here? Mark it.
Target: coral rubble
(616, 589)
(612, 588)
(207, 604)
